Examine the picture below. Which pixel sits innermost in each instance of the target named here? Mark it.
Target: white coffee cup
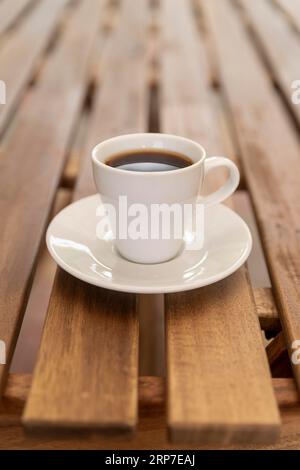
(179, 186)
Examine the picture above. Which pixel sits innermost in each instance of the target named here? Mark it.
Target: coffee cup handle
(228, 187)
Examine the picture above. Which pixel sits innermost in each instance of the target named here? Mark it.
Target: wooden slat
(224, 127)
(286, 392)
(258, 272)
(292, 10)
(266, 309)
(278, 357)
(101, 325)
(219, 386)
(27, 347)
(280, 44)
(20, 54)
(270, 153)
(151, 433)
(256, 263)
(10, 12)
(31, 162)
(218, 375)
(87, 365)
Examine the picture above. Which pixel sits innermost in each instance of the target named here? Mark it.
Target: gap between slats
(21, 53)
(263, 291)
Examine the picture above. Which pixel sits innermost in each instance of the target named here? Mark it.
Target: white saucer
(72, 241)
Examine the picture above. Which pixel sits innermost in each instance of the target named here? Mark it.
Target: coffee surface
(149, 160)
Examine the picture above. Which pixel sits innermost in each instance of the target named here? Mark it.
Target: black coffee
(149, 160)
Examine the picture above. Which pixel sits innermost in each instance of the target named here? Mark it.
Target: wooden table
(106, 376)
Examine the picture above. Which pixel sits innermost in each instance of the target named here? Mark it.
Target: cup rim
(147, 173)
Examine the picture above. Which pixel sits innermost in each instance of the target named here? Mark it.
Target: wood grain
(20, 54)
(270, 154)
(101, 327)
(219, 387)
(218, 377)
(10, 12)
(31, 161)
(276, 37)
(151, 433)
(265, 134)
